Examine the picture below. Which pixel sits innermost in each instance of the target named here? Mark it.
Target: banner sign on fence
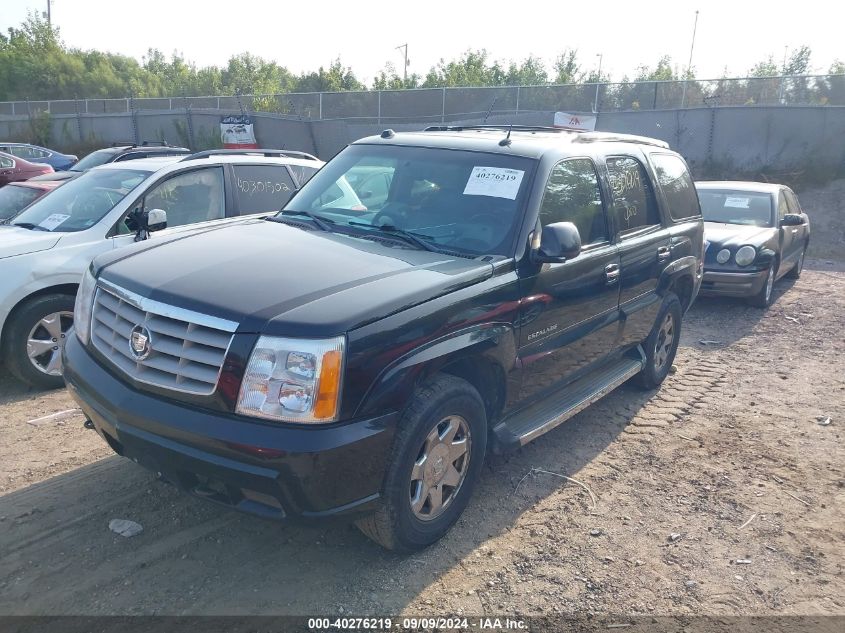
(236, 132)
(580, 122)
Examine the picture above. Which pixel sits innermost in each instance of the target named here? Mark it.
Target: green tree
(471, 69)
(388, 79)
(530, 72)
(566, 68)
(765, 68)
(335, 78)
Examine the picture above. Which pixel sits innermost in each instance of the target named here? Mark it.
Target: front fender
(490, 344)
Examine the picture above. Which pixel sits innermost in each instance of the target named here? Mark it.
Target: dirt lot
(729, 456)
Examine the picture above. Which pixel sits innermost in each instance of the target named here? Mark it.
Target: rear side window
(634, 206)
(677, 186)
(302, 173)
(573, 195)
(262, 188)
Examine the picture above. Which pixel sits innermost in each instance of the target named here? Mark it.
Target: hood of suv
(277, 279)
(18, 241)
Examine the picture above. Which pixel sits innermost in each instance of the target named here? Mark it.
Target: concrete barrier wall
(744, 139)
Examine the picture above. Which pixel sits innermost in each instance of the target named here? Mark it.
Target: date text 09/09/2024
(414, 624)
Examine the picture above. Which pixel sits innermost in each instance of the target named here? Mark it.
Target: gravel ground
(720, 494)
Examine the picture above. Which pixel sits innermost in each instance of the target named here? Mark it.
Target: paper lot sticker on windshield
(496, 182)
(52, 221)
(737, 203)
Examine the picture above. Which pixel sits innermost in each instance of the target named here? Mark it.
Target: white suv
(46, 248)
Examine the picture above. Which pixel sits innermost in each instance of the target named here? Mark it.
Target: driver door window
(573, 195)
(191, 197)
(783, 209)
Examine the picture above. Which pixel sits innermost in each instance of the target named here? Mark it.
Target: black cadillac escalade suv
(424, 299)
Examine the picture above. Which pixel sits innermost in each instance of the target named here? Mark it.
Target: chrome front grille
(185, 350)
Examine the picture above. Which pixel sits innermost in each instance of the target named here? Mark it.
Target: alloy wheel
(770, 283)
(664, 343)
(440, 468)
(46, 341)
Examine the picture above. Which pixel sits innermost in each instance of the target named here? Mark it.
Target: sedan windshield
(94, 159)
(14, 198)
(468, 202)
(81, 203)
(736, 207)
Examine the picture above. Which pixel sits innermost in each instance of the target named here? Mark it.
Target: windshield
(13, 199)
(94, 159)
(462, 201)
(736, 207)
(82, 202)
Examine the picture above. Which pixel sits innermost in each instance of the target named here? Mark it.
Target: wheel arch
(69, 289)
(480, 355)
(679, 277)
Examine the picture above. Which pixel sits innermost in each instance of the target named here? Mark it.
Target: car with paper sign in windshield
(45, 249)
(334, 360)
(756, 233)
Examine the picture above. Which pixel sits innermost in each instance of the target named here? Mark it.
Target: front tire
(436, 460)
(35, 337)
(795, 271)
(763, 299)
(661, 344)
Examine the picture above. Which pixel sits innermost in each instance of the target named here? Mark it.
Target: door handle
(611, 272)
(663, 253)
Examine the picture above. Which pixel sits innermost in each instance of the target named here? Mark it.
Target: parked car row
(420, 301)
(45, 249)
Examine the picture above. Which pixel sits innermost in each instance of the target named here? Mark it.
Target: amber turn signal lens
(328, 391)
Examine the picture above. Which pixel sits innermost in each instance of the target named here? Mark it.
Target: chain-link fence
(449, 104)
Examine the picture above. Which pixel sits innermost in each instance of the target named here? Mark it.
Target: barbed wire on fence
(449, 103)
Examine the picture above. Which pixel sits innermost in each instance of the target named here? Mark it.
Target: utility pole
(689, 64)
(49, 17)
(405, 66)
(598, 80)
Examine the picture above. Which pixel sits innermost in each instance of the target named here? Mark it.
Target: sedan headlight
(293, 380)
(745, 255)
(83, 307)
(723, 256)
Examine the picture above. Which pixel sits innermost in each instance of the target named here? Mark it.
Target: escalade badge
(139, 342)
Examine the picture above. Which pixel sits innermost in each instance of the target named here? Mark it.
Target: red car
(13, 169)
(18, 195)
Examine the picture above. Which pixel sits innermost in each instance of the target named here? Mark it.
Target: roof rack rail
(501, 127)
(250, 152)
(132, 144)
(594, 137)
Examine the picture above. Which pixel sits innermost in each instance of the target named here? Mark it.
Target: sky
(732, 34)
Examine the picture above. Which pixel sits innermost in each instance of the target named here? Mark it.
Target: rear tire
(661, 344)
(436, 460)
(763, 299)
(34, 338)
(795, 271)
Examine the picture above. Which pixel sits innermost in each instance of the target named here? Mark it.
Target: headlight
(745, 255)
(723, 256)
(83, 307)
(293, 380)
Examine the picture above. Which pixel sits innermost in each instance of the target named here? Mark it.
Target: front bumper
(273, 470)
(730, 284)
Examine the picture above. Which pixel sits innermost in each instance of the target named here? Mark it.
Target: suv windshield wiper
(323, 223)
(417, 239)
(30, 226)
